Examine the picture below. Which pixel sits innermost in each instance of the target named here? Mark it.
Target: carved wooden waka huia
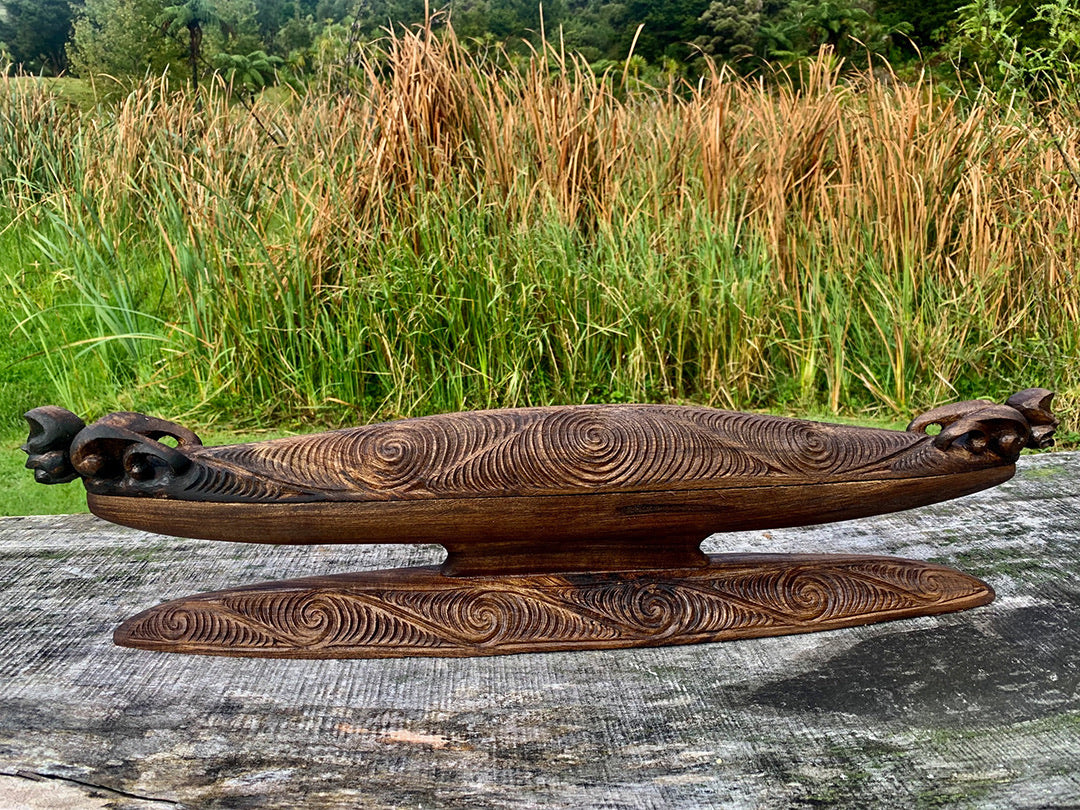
(566, 527)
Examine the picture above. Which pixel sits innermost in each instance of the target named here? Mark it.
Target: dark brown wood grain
(565, 527)
(531, 453)
(418, 611)
(602, 532)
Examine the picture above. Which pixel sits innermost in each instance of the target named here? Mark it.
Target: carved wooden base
(420, 612)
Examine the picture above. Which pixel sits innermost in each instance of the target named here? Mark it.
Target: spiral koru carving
(529, 452)
(418, 612)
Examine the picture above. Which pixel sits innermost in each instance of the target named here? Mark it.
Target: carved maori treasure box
(566, 528)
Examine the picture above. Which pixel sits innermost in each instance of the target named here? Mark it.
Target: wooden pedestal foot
(421, 612)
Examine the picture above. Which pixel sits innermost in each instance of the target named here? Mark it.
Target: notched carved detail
(121, 453)
(121, 461)
(1034, 404)
(982, 427)
(52, 430)
(151, 427)
(417, 612)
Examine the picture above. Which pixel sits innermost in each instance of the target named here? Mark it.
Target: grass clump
(432, 233)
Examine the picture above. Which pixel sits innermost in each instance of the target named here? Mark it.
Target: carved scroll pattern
(430, 615)
(559, 450)
(529, 451)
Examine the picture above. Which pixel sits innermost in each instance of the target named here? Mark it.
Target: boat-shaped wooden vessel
(547, 509)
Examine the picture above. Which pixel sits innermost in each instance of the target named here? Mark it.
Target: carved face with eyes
(1034, 405)
(980, 426)
(121, 450)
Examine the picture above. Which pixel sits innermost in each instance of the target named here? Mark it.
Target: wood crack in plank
(36, 776)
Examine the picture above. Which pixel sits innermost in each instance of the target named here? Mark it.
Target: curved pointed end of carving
(126, 634)
(946, 590)
(122, 634)
(971, 591)
(201, 624)
(145, 631)
(52, 430)
(987, 595)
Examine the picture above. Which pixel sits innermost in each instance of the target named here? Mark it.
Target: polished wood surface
(418, 611)
(528, 452)
(606, 531)
(566, 528)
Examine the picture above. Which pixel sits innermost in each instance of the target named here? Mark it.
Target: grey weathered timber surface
(975, 709)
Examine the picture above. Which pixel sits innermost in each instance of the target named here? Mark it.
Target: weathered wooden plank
(981, 707)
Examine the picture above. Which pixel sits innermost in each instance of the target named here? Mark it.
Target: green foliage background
(215, 255)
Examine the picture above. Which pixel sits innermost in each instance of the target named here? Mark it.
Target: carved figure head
(121, 452)
(980, 426)
(52, 430)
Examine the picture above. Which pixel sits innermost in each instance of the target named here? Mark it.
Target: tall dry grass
(444, 234)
